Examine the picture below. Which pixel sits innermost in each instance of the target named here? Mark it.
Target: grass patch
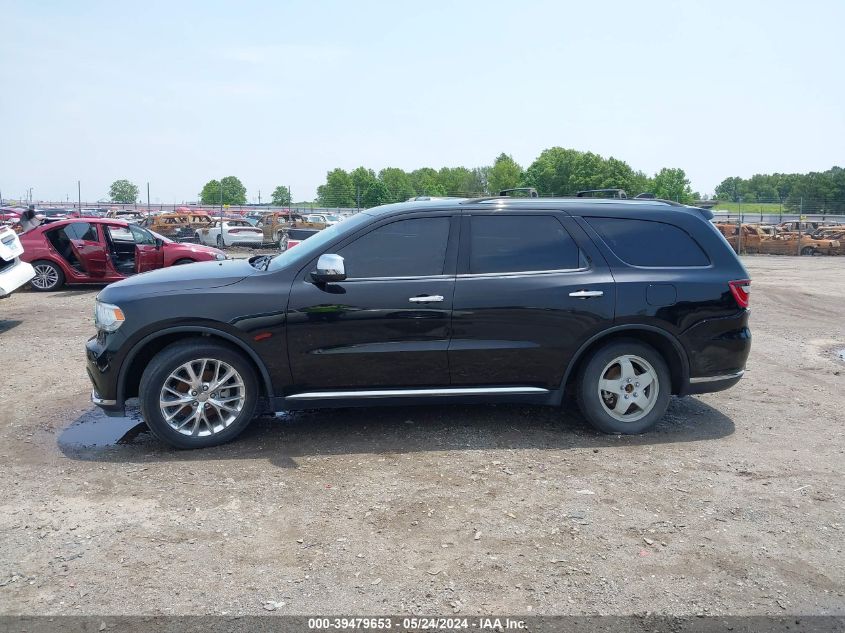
(753, 207)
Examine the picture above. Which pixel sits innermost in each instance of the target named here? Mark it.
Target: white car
(13, 272)
(234, 232)
(323, 218)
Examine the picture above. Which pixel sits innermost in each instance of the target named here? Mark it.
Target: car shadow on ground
(8, 324)
(383, 430)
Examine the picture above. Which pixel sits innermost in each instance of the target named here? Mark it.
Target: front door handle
(586, 294)
(426, 299)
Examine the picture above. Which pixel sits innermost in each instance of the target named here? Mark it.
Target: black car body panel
(451, 329)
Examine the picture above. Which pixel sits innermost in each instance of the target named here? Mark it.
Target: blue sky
(177, 93)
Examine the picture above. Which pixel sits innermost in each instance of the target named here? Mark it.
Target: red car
(102, 250)
(10, 215)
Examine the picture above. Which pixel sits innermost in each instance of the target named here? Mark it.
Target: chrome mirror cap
(330, 267)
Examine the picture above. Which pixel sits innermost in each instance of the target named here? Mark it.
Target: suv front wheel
(624, 387)
(196, 394)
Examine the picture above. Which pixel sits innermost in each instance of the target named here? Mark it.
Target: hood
(197, 276)
(188, 247)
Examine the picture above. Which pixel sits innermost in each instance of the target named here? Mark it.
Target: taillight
(232, 231)
(292, 243)
(741, 290)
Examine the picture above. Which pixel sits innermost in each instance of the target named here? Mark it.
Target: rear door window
(511, 243)
(81, 231)
(649, 243)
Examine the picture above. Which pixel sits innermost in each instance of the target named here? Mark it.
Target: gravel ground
(733, 504)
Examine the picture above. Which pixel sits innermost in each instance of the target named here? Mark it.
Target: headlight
(219, 256)
(107, 317)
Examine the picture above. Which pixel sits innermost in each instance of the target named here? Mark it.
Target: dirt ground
(733, 505)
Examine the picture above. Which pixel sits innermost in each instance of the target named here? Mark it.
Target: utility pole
(800, 219)
(148, 199)
(30, 195)
(221, 207)
(358, 198)
(739, 229)
(259, 197)
(79, 194)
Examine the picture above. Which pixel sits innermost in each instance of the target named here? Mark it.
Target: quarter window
(141, 236)
(509, 243)
(648, 243)
(407, 248)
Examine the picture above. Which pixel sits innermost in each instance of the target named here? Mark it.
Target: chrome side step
(411, 393)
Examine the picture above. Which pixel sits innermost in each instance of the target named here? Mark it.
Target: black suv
(620, 303)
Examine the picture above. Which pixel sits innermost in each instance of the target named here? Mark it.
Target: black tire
(167, 361)
(220, 243)
(48, 277)
(593, 406)
(181, 262)
(808, 250)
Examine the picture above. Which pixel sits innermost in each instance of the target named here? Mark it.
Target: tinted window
(510, 243)
(647, 243)
(81, 231)
(407, 248)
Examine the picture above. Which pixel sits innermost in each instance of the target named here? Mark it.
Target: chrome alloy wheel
(628, 388)
(202, 397)
(45, 278)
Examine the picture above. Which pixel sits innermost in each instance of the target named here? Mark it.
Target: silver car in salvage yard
(14, 273)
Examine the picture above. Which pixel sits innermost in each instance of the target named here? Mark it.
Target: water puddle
(96, 430)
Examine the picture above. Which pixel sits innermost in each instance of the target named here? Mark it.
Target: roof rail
(587, 193)
(645, 195)
(530, 192)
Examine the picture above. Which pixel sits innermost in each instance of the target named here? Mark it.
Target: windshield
(333, 218)
(316, 243)
(166, 240)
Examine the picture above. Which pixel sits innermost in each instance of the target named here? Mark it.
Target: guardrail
(777, 218)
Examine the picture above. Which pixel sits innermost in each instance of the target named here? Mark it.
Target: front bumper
(103, 375)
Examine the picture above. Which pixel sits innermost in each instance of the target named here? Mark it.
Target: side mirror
(329, 268)
(159, 243)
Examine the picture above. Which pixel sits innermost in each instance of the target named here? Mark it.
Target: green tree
(426, 182)
(123, 191)
(728, 190)
(233, 191)
(398, 184)
(553, 172)
(504, 174)
(672, 184)
(338, 190)
(376, 193)
(478, 180)
(281, 196)
(457, 181)
(362, 179)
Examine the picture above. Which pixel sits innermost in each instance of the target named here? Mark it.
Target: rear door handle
(426, 299)
(586, 294)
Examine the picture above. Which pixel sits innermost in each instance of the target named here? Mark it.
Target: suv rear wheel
(195, 394)
(624, 387)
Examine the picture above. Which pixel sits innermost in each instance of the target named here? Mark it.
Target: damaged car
(100, 250)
